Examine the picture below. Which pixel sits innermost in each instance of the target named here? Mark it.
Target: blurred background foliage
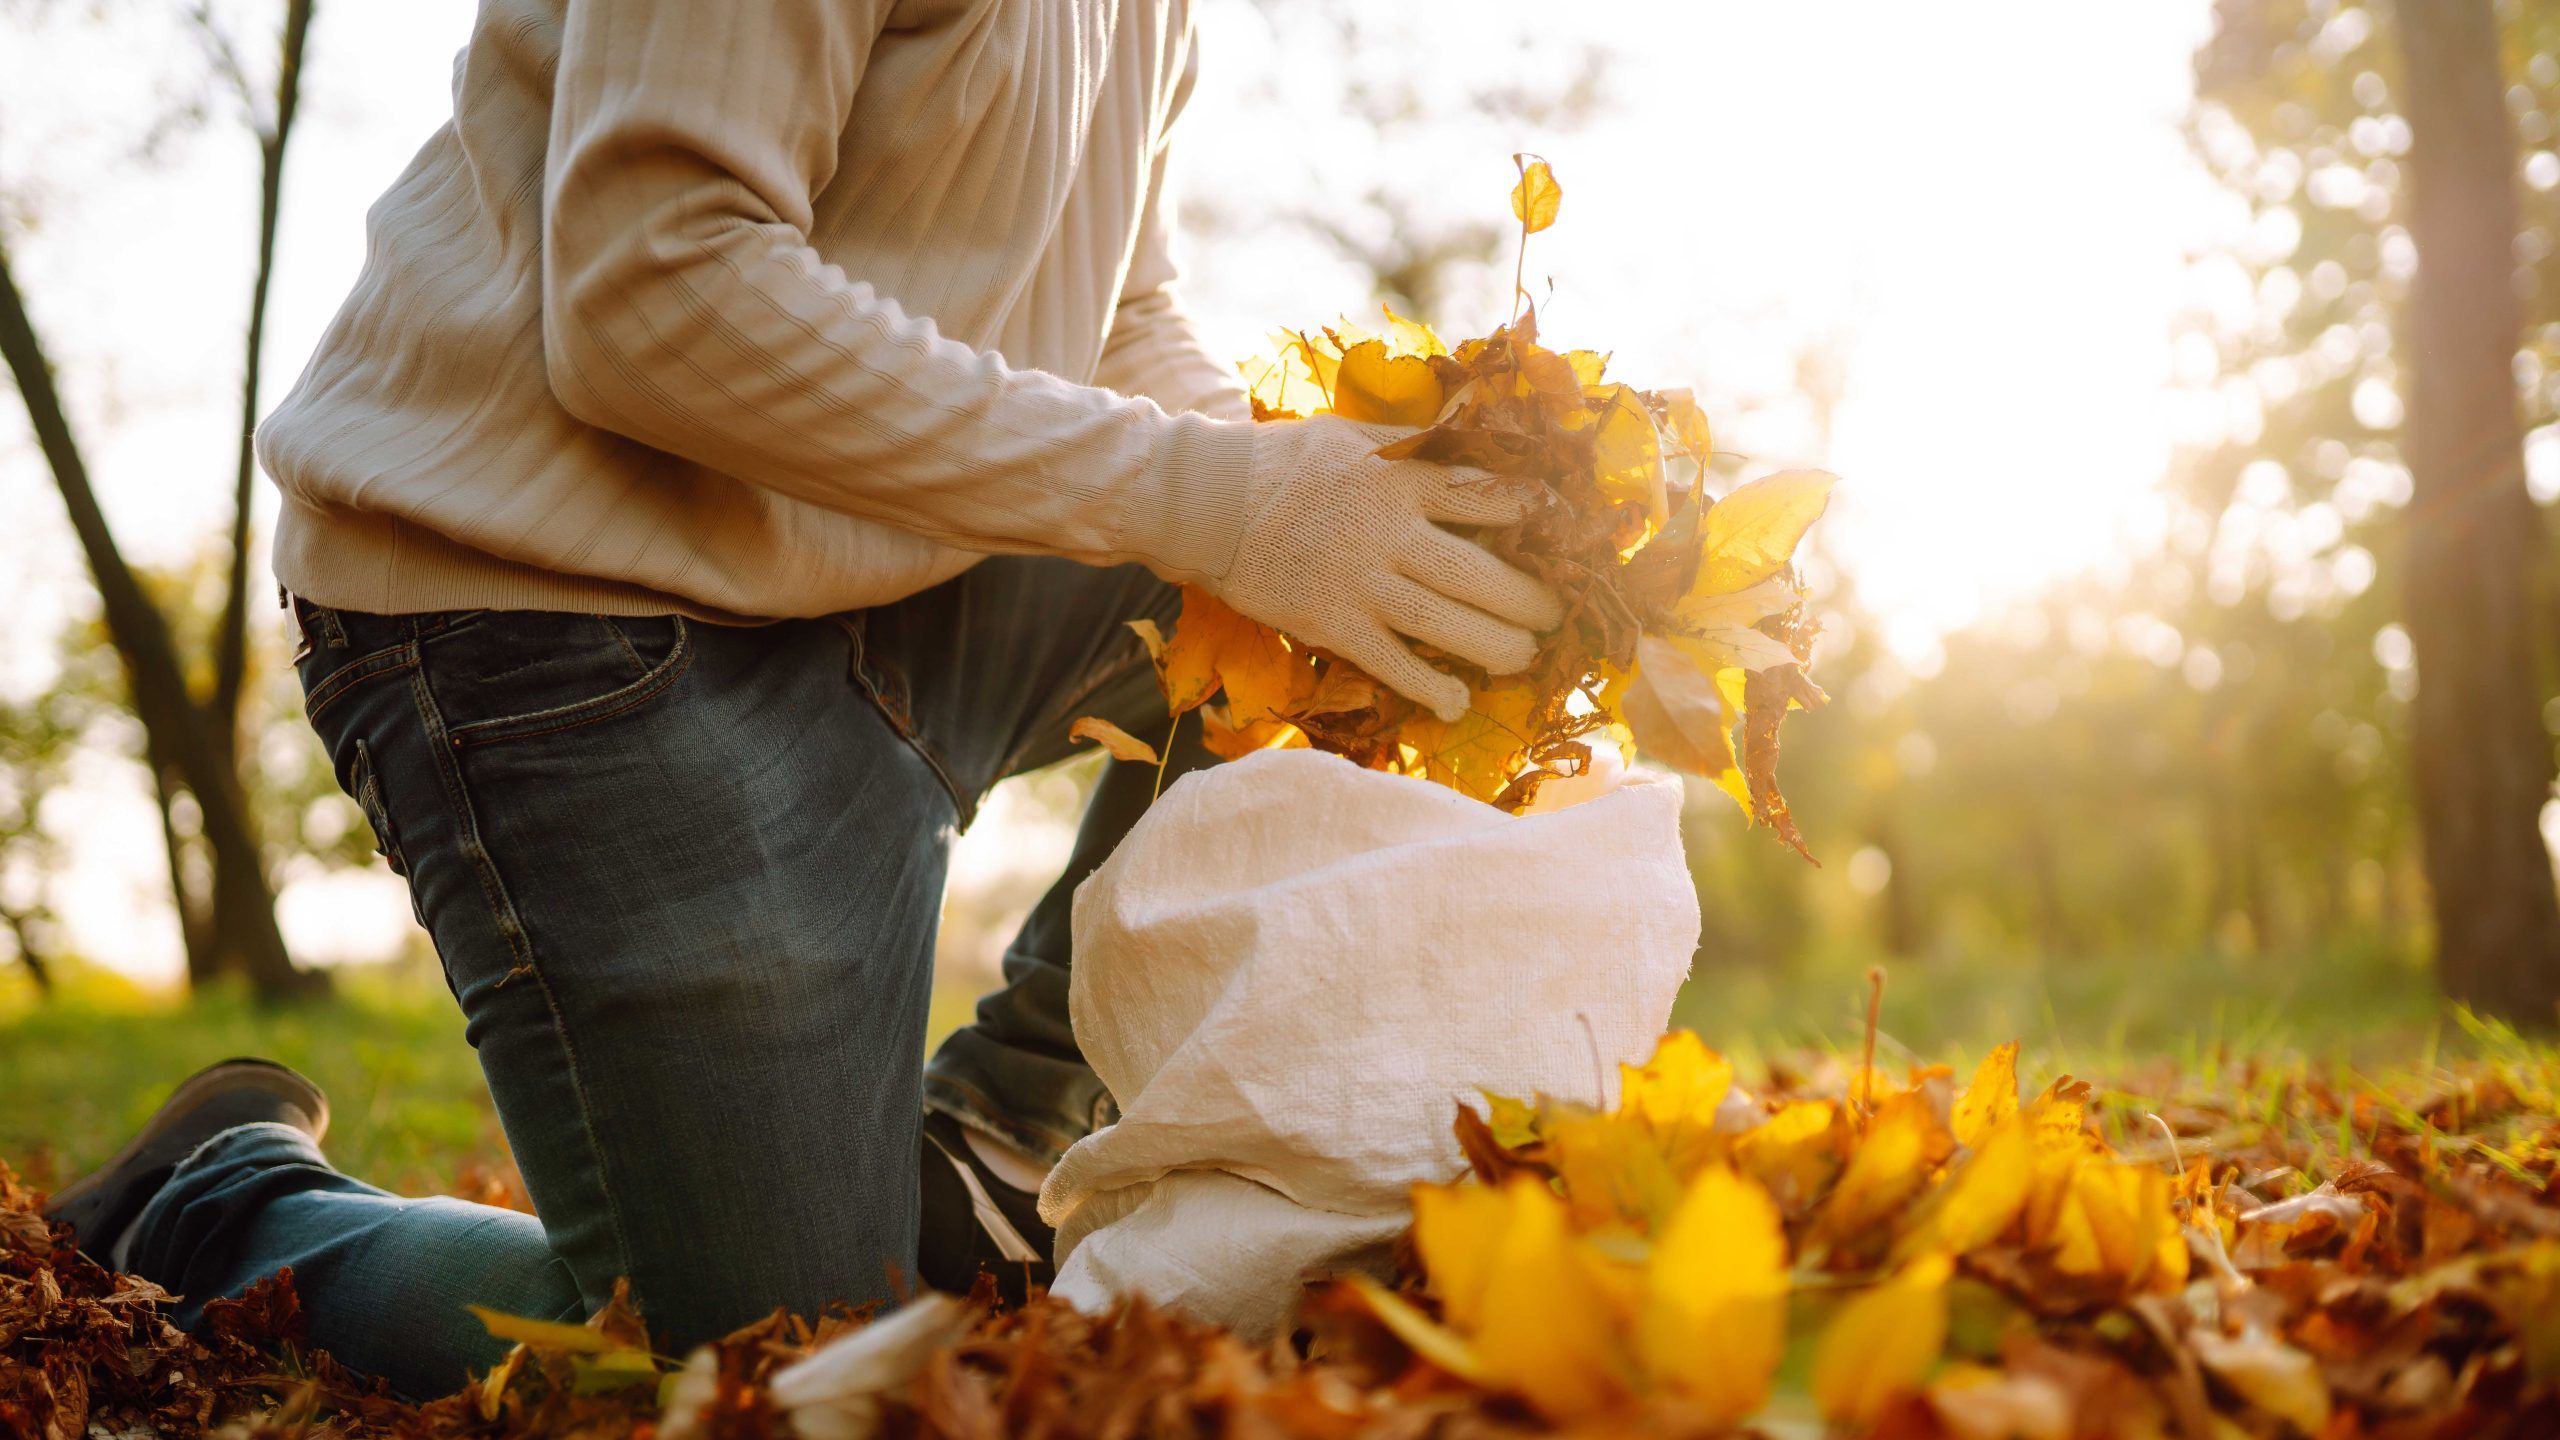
(2165, 805)
(2190, 780)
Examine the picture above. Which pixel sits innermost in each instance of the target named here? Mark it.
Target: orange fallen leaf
(1118, 742)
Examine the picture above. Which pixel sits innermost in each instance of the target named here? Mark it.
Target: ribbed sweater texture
(766, 308)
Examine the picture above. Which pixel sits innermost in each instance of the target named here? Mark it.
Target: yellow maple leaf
(1746, 543)
(1679, 716)
(1881, 1344)
(2050, 1219)
(1479, 752)
(1627, 453)
(1552, 378)
(1992, 1097)
(1374, 387)
(1751, 534)
(1297, 377)
(1683, 1080)
(1720, 633)
(1535, 200)
(1612, 1170)
(1513, 1122)
(1547, 1323)
(2060, 1116)
(1688, 425)
(2128, 1214)
(1412, 337)
(1981, 1199)
(2171, 1261)
(1714, 1323)
(1903, 1142)
(1455, 1229)
(1229, 741)
(1676, 1094)
(1795, 1152)
(2098, 1218)
(1214, 647)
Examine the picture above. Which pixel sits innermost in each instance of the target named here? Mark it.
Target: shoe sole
(276, 1080)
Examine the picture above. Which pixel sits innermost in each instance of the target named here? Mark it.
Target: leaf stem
(1867, 1062)
(1519, 269)
(1164, 757)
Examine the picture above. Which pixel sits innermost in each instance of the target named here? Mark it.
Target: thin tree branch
(226, 63)
(231, 653)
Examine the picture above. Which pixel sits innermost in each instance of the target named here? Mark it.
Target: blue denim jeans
(685, 880)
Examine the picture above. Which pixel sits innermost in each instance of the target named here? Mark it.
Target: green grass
(2370, 1006)
(80, 1072)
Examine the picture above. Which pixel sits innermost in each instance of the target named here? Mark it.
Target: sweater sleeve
(683, 307)
(1153, 350)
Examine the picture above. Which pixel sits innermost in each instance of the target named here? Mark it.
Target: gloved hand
(1343, 550)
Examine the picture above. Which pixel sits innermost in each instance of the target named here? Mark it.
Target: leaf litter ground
(1830, 1250)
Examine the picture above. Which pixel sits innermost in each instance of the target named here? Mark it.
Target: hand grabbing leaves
(1685, 623)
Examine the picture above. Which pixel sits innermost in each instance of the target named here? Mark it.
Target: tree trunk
(195, 919)
(231, 637)
(159, 689)
(1904, 936)
(22, 934)
(2483, 765)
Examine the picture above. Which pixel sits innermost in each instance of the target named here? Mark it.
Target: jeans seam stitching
(377, 814)
(381, 662)
(914, 741)
(603, 707)
(627, 647)
(510, 925)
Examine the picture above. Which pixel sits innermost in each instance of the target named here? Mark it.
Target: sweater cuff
(1187, 523)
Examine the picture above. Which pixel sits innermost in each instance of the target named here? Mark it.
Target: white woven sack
(1291, 970)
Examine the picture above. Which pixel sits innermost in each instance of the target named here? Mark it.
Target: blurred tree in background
(39, 739)
(193, 739)
(2224, 743)
(2382, 382)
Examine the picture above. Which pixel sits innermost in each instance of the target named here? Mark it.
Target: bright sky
(1977, 211)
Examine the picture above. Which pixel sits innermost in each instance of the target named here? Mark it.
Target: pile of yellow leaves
(1686, 617)
(1608, 1252)
(1901, 1258)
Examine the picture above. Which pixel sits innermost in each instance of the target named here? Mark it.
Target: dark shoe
(103, 1205)
(973, 1221)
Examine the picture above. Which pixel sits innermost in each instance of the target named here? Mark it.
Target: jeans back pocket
(515, 675)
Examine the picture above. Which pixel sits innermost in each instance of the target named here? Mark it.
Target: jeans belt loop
(301, 629)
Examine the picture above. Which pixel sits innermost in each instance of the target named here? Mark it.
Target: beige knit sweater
(764, 308)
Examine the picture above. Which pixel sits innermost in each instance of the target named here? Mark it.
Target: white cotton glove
(1343, 550)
